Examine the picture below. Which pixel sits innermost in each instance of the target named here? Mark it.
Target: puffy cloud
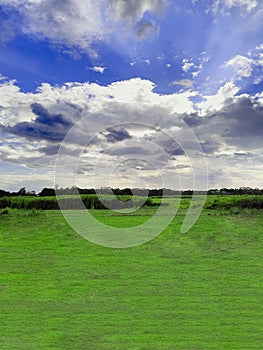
(194, 68)
(234, 124)
(187, 65)
(98, 69)
(115, 134)
(242, 65)
(50, 111)
(44, 127)
(243, 120)
(129, 119)
(215, 102)
(100, 115)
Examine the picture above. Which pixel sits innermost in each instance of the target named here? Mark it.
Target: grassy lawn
(197, 291)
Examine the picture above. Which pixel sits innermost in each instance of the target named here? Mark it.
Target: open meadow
(196, 291)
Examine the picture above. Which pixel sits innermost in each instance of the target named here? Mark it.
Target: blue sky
(172, 76)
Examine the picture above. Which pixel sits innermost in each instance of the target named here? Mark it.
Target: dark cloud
(117, 134)
(145, 28)
(132, 11)
(245, 119)
(50, 150)
(210, 146)
(242, 154)
(166, 143)
(176, 152)
(128, 151)
(238, 123)
(192, 120)
(45, 127)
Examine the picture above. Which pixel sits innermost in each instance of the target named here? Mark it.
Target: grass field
(197, 291)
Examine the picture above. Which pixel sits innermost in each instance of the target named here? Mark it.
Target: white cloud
(63, 22)
(195, 74)
(224, 6)
(259, 47)
(260, 60)
(242, 65)
(79, 23)
(216, 102)
(187, 65)
(196, 67)
(75, 99)
(183, 82)
(98, 69)
(225, 122)
(248, 4)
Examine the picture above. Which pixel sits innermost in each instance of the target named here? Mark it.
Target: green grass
(197, 291)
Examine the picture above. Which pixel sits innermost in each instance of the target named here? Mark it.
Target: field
(196, 291)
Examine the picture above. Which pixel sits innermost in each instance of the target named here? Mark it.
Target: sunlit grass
(200, 290)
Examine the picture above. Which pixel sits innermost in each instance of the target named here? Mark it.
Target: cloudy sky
(125, 93)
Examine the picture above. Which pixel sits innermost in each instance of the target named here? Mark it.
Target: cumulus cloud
(242, 66)
(234, 124)
(45, 127)
(215, 102)
(187, 65)
(115, 134)
(128, 119)
(194, 67)
(99, 115)
(244, 122)
(98, 69)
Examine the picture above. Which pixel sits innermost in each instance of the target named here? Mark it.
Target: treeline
(51, 192)
(87, 201)
(241, 202)
(236, 191)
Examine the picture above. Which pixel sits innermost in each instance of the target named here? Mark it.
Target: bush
(4, 212)
(237, 202)
(73, 202)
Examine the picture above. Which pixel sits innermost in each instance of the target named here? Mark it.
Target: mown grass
(201, 290)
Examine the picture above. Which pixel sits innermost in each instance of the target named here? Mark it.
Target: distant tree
(22, 192)
(213, 191)
(4, 193)
(47, 192)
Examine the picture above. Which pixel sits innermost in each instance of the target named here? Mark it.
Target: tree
(22, 192)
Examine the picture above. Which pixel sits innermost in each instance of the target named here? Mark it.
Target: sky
(149, 94)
